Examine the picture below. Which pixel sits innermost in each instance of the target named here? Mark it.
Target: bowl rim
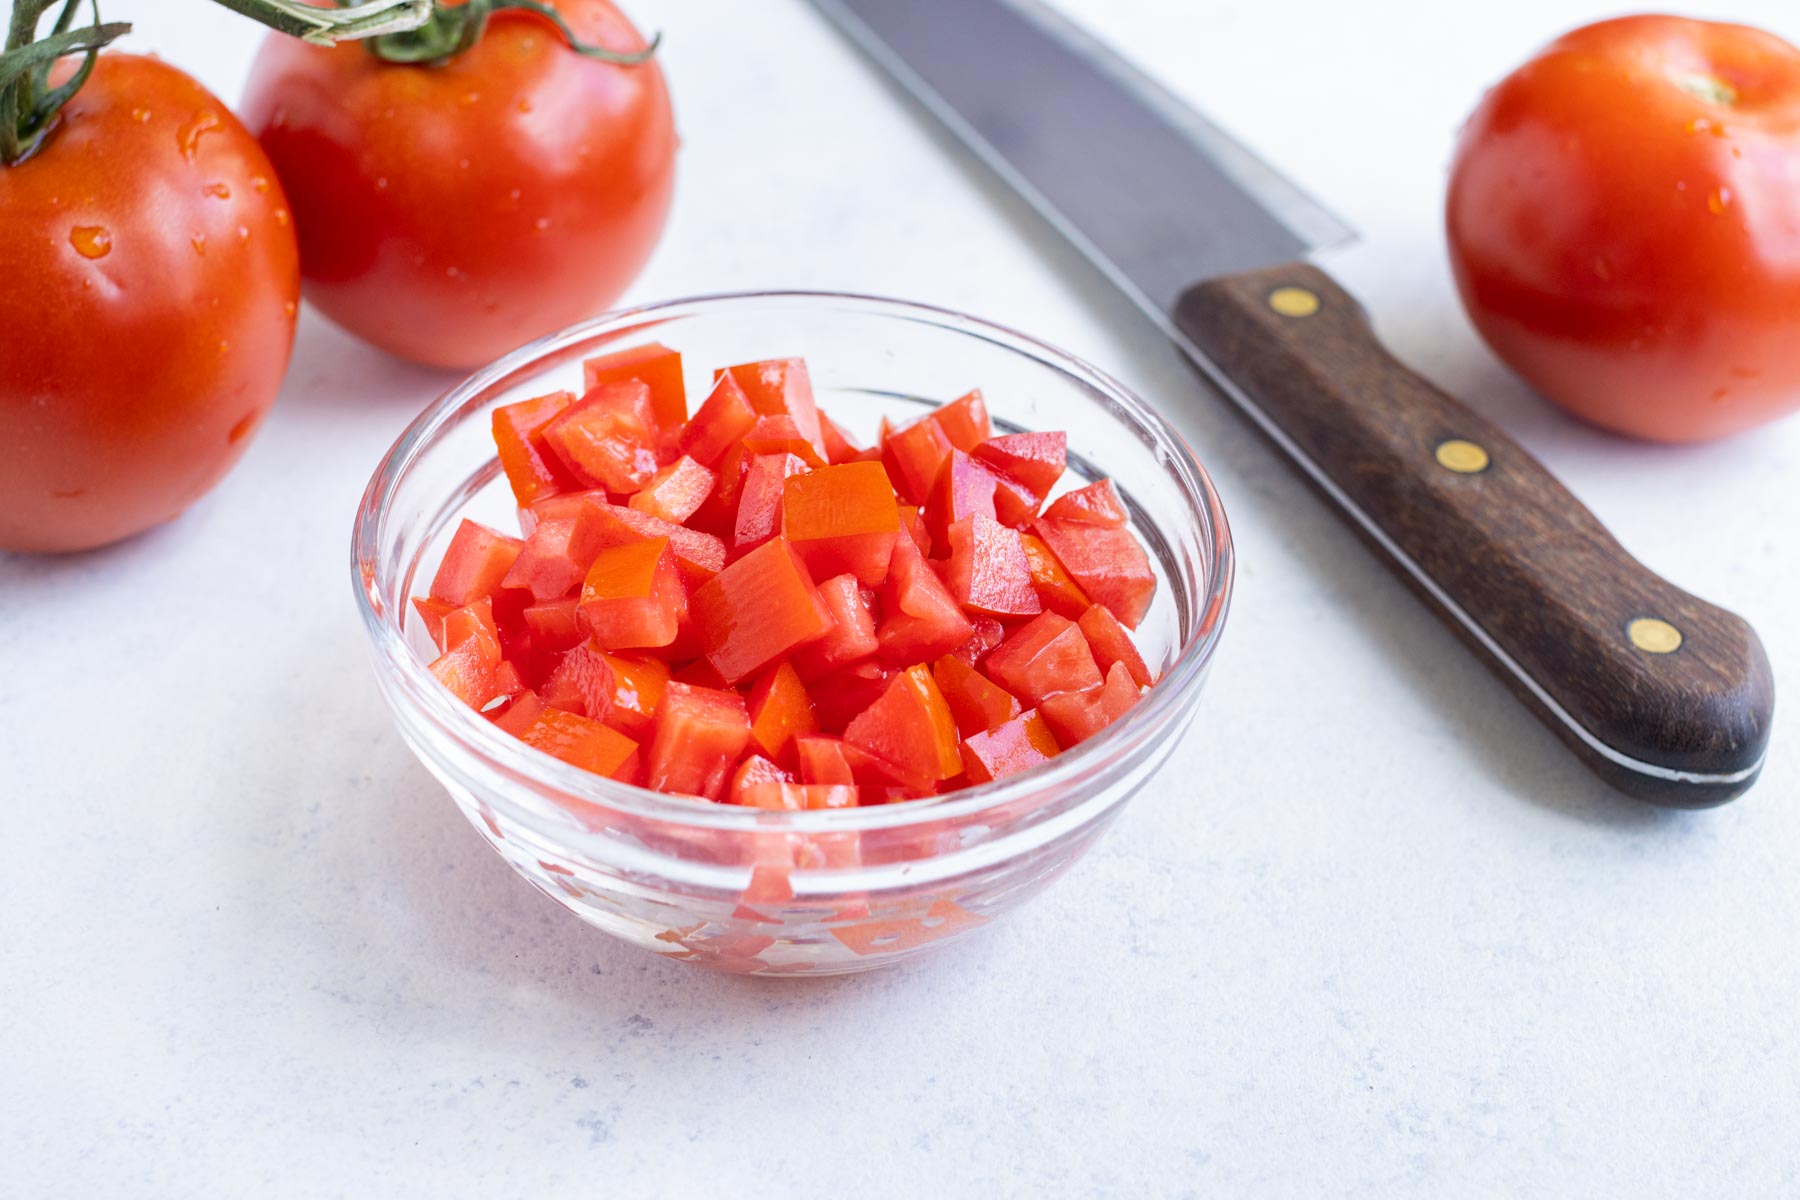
(1174, 691)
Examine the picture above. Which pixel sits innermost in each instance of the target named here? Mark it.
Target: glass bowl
(826, 891)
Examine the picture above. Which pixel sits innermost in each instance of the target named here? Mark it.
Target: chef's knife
(1667, 697)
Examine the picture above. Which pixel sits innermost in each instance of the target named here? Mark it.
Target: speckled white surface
(1376, 934)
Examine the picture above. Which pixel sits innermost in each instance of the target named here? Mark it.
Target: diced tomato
(531, 467)
(977, 702)
(780, 711)
(700, 673)
(759, 499)
(1096, 504)
(699, 555)
(1019, 745)
(1111, 644)
(757, 609)
(910, 730)
(1056, 590)
(518, 714)
(469, 664)
(1045, 657)
(988, 634)
(965, 421)
(913, 455)
(608, 437)
(840, 696)
(1076, 716)
(584, 743)
(721, 423)
(989, 573)
(699, 735)
(821, 759)
(432, 613)
(507, 680)
(638, 685)
(582, 682)
(553, 624)
(632, 596)
(475, 564)
(794, 797)
(474, 620)
(781, 435)
(1107, 562)
(1030, 463)
(912, 520)
(675, 492)
(839, 446)
(852, 632)
(920, 618)
(557, 555)
(753, 770)
(964, 489)
(842, 519)
(658, 368)
(782, 387)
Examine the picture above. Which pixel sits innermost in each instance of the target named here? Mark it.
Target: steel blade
(1155, 194)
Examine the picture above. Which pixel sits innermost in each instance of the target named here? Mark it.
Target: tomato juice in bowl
(810, 891)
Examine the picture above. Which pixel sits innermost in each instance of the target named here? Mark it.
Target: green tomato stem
(28, 104)
(452, 29)
(328, 26)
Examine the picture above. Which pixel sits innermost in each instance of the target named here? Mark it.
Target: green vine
(28, 104)
(452, 29)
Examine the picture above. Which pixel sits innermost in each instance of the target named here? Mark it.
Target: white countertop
(1375, 933)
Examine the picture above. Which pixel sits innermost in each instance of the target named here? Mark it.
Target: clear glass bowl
(825, 891)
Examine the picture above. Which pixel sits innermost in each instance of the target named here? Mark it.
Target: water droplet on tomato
(198, 242)
(462, 164)
(140, 115)
(91, 241)
(281, 216)
(525, 105)
(259, 183)
(471, 97)
(1718, 201)
(219, 191)
(541, 224)
(290, 308)
(245, 426)
(243, 233)
(224, 346)
(381, 183)
(189, 137)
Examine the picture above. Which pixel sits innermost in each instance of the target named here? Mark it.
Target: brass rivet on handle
(1463, 457)
(1293, 302)
(1654, 636)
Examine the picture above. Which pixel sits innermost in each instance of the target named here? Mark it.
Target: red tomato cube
(557, 555)
(655, 366)
(1077, 716)
(920, 618)
(781, 435)
(1028, 464)
(977, 702)
(721, 423)
(1096, 504)
(639, 682)
(842, 519)
(1045, 657)
(759, 608)
(699, 735)
(965, 421)
(1111, 644)
(608, 437)
(839, 446)
(852, 632)
(794, 797)
(1018, 745)
(531, 467)
(675, 492)
(1107, 562)
(964, 489)
(989, 573)
(475, 564)
(910, 730)
(632, 597)
(821, 759)
(755, 769)
(780, 711)
(759, 499)
(1057, 592)
(913, 456)
(584, 743)
(582, 682)
(781, 387)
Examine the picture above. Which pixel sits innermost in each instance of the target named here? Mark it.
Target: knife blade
(1665, 696)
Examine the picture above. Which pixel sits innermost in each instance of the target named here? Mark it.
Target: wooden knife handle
(1664, 695)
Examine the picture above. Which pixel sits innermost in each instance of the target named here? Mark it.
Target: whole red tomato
(1624, 224)
(449, 212)
(147, 310)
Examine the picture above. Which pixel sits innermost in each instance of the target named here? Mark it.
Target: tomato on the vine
(1623, 225)
(452, 208)
(148, 308)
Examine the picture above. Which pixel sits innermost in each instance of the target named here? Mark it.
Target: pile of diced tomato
(747, 607)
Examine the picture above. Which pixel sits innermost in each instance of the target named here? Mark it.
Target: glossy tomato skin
(151, 285)
(1623, 227)
(452, 212)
